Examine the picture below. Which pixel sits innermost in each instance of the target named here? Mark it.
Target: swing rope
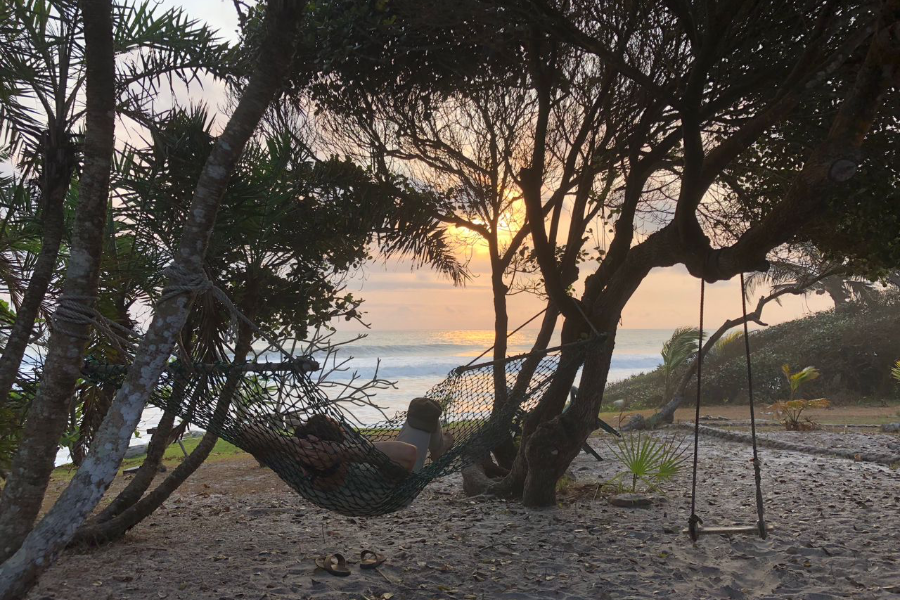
(694, 521)
(760, 509)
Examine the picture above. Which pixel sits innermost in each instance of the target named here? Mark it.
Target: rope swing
(695, 523)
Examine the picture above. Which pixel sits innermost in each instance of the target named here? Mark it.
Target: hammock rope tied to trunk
(265, 409)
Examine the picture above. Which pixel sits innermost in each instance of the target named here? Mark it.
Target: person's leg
(423, 430)
(439, 442)
(399, 452)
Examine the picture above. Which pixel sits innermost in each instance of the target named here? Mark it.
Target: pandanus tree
(43, 62)
(46, 418)
(676, 351)
(290, 228)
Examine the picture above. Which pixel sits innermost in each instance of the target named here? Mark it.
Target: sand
(236, 532)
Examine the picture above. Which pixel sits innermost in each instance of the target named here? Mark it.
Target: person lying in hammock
(324, 453)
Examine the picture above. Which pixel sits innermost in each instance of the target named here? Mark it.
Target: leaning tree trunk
(166, 432)
(58, 163)
(56, 530)
(125, 519)
(478, 478)
(46, 418)
(549, 406)
(666, 413)
(145, 475)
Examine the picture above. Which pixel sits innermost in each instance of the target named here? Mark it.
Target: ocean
(417, 360)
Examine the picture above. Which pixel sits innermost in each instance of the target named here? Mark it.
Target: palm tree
(676, 351)
(42, 67)
(804, 265)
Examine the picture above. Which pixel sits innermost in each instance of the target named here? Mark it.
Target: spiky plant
(649, 460)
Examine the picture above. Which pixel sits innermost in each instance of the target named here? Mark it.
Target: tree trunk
(93, 478)
(46, 419)
(478, 480)
(549, 406)
(59, 162)
(160, 440)
(505, 448)
(145, 475)
(128, 516)
(557, 441)
(840, 295)
(93, 415)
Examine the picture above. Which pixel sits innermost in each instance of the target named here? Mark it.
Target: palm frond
(678, 348)
(161, 46)
(727, 342)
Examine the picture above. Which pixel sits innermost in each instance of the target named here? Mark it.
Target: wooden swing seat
(728, 530)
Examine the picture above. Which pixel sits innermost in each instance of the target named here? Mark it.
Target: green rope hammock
(258, 406)
(267, 409)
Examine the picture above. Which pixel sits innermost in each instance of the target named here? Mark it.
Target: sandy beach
(234, 531)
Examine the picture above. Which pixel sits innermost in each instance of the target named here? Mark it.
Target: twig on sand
(386, 578)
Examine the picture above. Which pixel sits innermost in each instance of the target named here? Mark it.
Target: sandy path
(236, 532)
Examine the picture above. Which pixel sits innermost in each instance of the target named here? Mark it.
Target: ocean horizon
(419, 359)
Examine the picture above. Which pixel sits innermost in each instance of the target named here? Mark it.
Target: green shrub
(856, 349)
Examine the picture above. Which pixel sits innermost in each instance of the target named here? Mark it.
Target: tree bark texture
(59, 161)
(86, 489)
(127, 516)
(46, 418)
(143, 478)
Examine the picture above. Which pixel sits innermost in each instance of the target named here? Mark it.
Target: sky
(399, 298)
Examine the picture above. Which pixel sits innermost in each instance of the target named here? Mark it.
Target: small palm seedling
(895, 372)
(791, 410)
(795, 380)
(648, 460)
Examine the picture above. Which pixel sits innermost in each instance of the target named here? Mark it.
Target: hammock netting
(259, 406)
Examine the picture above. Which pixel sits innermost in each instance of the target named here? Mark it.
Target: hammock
(265, 409)
(258, 406)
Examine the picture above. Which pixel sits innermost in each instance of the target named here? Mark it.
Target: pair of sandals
(336, 564)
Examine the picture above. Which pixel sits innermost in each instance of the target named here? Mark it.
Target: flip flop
(335, 564)
(374, 559)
